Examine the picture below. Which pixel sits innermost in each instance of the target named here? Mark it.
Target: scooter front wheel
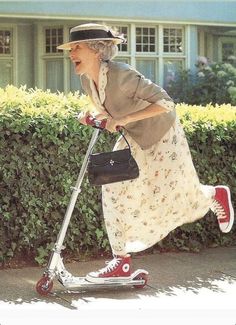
(44, 285)
(141, 276)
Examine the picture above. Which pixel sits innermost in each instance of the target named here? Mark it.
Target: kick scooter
(56, 268)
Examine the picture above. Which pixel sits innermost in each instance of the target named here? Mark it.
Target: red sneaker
(119, 267)
(222, 207)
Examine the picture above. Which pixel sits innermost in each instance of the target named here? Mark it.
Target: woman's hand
(113, 124)
(102, 116)
(82, 117)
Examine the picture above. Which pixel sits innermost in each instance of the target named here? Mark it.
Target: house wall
(31, 66)
(210, 11)
(192, 47)
(25, 55)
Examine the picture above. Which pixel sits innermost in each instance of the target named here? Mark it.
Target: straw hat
(90, 32)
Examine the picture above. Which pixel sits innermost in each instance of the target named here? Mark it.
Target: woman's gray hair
(107, 49)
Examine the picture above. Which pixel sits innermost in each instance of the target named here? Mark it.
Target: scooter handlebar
(98, 124)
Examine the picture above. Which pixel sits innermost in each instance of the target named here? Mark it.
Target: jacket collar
(99, 95)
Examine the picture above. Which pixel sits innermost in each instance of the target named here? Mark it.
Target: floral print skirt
(167, 194)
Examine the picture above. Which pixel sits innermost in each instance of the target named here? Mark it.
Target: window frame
(183, 53)
(225, 40)
(142, 53)
(131, 55)
(178, 59)
(42, 57)
(155, 59)
(58, 52)
(11, 41)
(118, 25)
(12, 56)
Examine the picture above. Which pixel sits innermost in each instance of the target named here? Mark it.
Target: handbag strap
(121, 132)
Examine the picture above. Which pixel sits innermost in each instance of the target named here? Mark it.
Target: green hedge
(42, 148)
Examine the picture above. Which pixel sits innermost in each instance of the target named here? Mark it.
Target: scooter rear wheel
(44, 285)
(141, 276)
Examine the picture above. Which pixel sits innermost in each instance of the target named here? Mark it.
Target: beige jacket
(126, 92)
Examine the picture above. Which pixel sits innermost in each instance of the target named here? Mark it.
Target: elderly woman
(167, 193)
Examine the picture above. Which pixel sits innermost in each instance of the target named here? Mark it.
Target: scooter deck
(81, 282)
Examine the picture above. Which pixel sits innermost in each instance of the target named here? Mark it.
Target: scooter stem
(76, 190)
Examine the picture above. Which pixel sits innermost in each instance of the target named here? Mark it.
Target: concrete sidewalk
(183, 288)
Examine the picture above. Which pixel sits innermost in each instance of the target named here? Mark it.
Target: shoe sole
(231, 210)
(107, 280)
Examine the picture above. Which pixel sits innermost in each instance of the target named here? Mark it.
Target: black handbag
(110, 167)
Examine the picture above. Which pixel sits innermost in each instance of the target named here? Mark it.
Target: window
(123, 30)
(171, 70)
(75, 83)
(123, 48)
(157, 51)
(53, 38)
(54, 75)
(146, 45)
(147, 68)
(6, 57)
(5, 41)
(227, 50)
(53, 59)
(173, 40)
(145, 39)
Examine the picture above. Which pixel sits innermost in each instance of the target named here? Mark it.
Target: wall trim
(120, 20)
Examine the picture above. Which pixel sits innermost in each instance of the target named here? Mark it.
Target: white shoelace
(111, 265)
(218, 210)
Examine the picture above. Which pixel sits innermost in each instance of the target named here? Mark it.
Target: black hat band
(82, 35)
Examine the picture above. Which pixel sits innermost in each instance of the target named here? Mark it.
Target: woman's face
(83, 57)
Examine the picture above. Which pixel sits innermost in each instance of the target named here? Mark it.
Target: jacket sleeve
(135, 85)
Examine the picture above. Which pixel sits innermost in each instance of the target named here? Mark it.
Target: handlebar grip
(99, 124)
(96, 123)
